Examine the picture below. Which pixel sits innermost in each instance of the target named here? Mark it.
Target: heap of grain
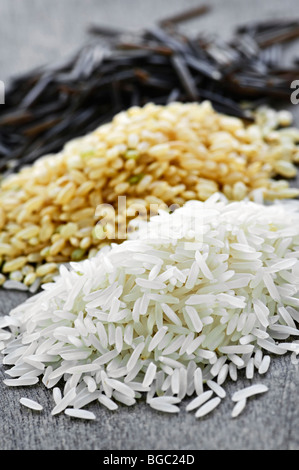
(155, 156)
(191, 299)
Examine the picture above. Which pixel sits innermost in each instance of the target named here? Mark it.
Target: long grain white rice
(264, 365)
(250, 368)
(106, 401)
(57, 396)
(232, 369)
(249, 392)
(208, 407)
(175, 382)
(64, 402)
(120, 387)
(199, 400)
(216, 388)
(124, 399)
(21, 382)
(114, 327)
(33, 405)
(78, 413)
(150, 374)
(239, 407)
(222, 375)
(163, 404)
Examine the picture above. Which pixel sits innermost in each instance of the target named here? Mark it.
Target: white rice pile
(192, 299)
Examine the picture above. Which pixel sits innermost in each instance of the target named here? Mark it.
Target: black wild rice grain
(50, 105)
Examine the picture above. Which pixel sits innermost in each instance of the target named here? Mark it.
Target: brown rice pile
(155, 156)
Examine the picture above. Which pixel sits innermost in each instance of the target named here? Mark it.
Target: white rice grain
(157, 338)
(107, 402)
(208, 407)
(177, 308)
(33, 405)
(249, 392)
(199, 400)
(164, 405)
(57, 396)
(150, 375)
(81, 414)
(264, 366)
(65, 402)
(239, 407)
(216, 388)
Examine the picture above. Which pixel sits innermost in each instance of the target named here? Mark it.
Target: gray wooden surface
(35, 32)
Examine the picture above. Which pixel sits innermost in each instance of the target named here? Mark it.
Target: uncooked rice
(79, 413)
(157, 156)
(239, 407)
(33, 405)
(84, 336)
(207, 407)
(249, 392)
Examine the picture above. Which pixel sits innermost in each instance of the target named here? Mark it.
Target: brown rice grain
(29, 279)
(14, 264)
(47, 268)
(155, 155)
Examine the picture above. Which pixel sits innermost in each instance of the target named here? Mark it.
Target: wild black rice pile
(192, 300)
(48, 107)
